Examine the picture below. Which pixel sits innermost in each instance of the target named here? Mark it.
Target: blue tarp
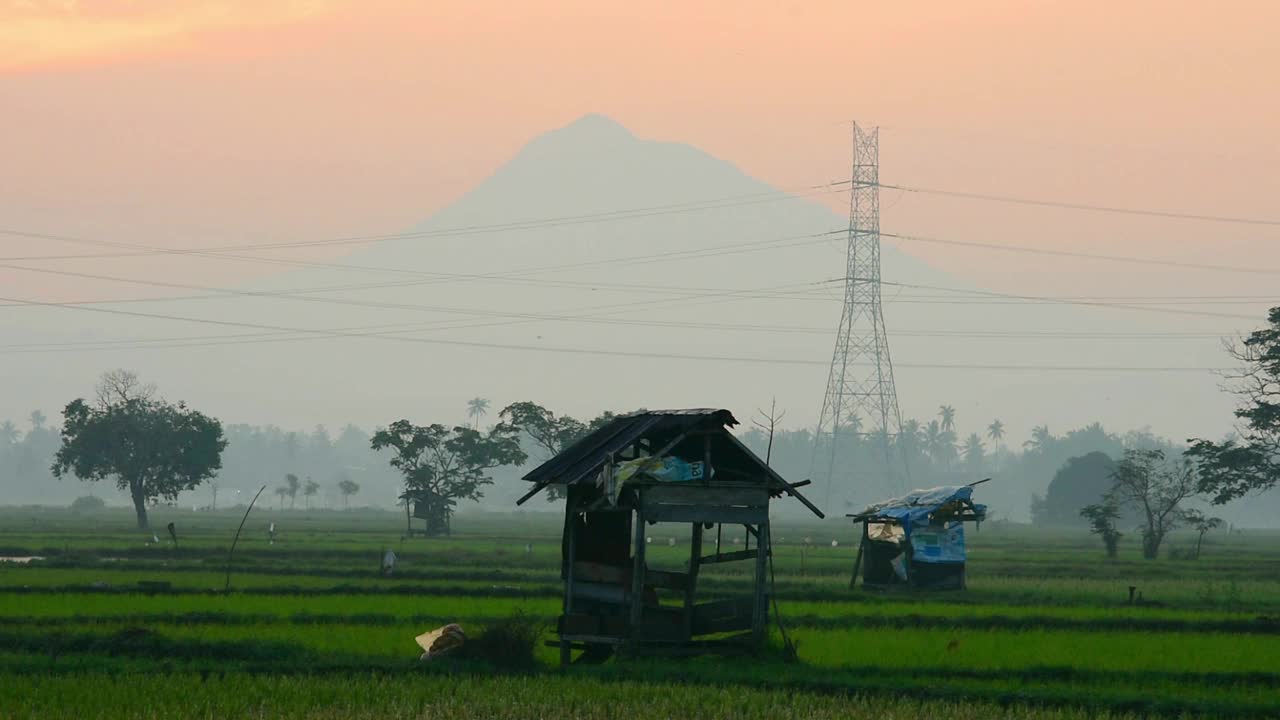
(934, 543)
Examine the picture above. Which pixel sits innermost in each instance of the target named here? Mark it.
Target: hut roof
(953, 502)
(582, 461)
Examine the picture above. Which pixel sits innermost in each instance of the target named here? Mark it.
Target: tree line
(154, 450)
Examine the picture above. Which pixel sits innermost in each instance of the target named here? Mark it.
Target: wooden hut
(435, 510)
(670, 466)
(916, 540)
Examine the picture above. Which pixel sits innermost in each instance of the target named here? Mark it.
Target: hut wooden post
(760, 608)
(571, 528)
(637, 570)
(857, 560)
(695, 554)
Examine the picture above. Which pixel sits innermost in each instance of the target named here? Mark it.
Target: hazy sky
(204, 122)
(172, 122)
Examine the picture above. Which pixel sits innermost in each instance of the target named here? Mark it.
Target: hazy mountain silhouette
(586, 219)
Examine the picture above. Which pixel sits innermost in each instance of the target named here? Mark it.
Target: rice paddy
(106, 622)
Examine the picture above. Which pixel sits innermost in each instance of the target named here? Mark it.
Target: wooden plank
(666, 579)
(537, 488)
(601, 592)
(695, 494)
(637, 572)
(599, 572)
(707, 513)
(722, 616)
(728, 557)
(695, 550)
(760, 611)
(577, 624)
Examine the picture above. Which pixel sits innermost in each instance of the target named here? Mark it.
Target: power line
(448, 232)
(1089, 256)
(600, 351)
(1082, 206)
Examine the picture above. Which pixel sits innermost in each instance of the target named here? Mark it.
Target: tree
(1251, 463)
(152, 448)
(37, 419)
(551, 433)
(1040, 440)
(1080, 482)
(995, 431)
(87, 504)
(1202, 524)
(447, 464)
(476, 409)
(309, 490)
(9, 434)
(291, 485)
(948, 416)
(974, 453)
(1156, 487)
(281, 492)
(1102, 519)
(348, 488)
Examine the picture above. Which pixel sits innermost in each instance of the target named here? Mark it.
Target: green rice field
(97, 620)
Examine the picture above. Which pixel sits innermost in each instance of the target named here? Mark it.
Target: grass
(313, 630)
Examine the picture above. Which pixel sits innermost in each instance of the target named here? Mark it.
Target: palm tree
(933, 440)
(973, 453)
(948, 415)
(911, 437)
(9, 433)
(995, 430)
(476, 409)
(1040, 438)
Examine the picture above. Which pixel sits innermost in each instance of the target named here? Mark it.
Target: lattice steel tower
(861, 398)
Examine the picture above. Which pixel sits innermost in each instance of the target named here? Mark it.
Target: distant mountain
(642, 256)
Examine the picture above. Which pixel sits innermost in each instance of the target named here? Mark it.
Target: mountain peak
(592, 130)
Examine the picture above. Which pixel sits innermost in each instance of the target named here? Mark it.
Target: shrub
(510, 642)
(87, 503)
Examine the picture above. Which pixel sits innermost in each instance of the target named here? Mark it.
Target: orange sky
(186, 122)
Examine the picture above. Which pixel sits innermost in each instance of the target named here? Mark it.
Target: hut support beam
(637, 574)
(760, 608)
(690, 590)
(571, 527)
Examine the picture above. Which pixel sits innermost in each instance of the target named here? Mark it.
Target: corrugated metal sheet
(583, 459)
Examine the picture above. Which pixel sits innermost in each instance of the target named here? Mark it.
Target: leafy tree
(348, 488)
(37, 419)
(1202, 524)
(1156, 487)
(995, 431)
(476, 409)
(551, 433)
(1082, 481)
(1251, 463)
(291, 486)
(1102, 519)
(152, 448)
(448, 464)
(309, 491)
(281, 492)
